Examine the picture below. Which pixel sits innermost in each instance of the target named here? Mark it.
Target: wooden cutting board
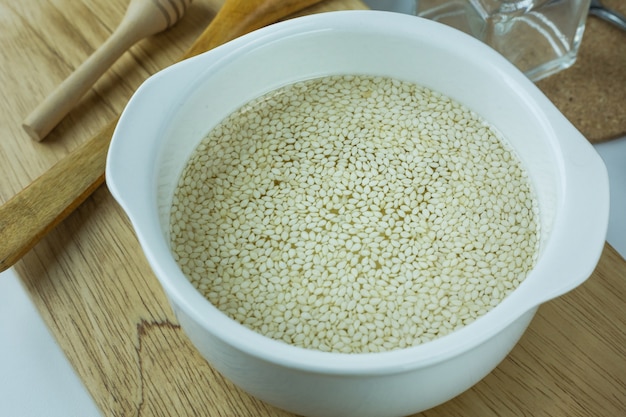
(104, 306)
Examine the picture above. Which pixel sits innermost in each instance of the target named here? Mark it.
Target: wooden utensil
(143, 18)
(38, 208)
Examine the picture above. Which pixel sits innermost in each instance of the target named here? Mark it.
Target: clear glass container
(541, 37)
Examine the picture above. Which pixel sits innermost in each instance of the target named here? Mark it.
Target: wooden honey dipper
(143, 18)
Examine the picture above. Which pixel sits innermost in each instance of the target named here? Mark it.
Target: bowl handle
(576, 245)
(139, 124)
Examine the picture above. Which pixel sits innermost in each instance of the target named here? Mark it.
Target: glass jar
(541, 37)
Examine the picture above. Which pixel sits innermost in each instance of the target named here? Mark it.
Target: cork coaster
(592, 92)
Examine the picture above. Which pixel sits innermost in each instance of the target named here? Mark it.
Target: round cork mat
(592, 92)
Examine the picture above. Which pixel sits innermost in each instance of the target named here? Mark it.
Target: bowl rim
(185, 297)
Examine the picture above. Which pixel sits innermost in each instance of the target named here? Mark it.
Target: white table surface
(36, 380)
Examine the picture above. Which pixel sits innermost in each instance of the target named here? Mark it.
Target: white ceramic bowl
(174, 109)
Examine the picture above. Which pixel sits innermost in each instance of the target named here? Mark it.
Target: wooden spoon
(143, 18)
(38, 208)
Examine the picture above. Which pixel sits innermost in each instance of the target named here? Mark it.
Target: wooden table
(105, 308)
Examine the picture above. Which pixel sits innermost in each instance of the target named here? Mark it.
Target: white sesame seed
(354, 214)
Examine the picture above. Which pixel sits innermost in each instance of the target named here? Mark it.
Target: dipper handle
(143, 18)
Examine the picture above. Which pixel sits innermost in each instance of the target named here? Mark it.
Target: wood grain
(34, 211)
(102, 303)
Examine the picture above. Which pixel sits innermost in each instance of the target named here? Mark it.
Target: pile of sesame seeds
(354, 214)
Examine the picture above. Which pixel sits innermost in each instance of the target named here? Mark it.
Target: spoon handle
(38, 208)
(238, 17)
